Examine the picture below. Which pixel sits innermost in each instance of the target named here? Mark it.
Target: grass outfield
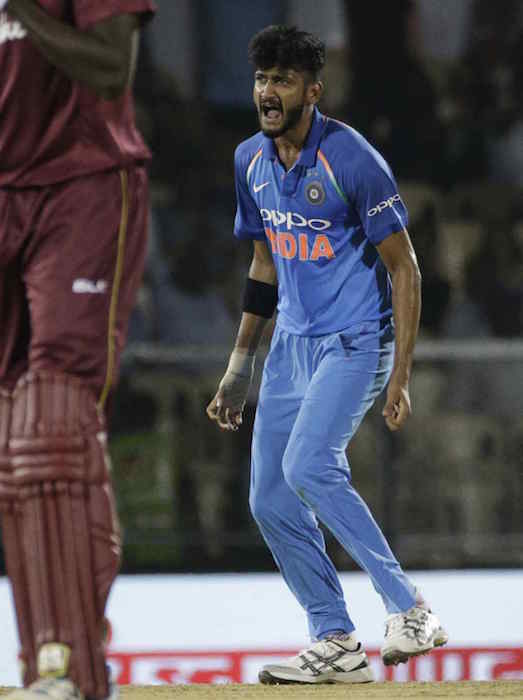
(464, 689)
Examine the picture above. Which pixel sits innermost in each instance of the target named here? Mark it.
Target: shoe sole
(393, 657)
(51, 694)
(359, 675)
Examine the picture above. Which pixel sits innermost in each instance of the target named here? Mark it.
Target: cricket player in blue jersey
(332, 252)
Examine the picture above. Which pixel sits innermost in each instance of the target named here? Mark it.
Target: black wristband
(260, 298)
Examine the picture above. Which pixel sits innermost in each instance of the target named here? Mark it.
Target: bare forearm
(406, 300)
(252, 326)
(250, 333)
(80, 55)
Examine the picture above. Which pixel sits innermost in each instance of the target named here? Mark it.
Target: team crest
(315, 192)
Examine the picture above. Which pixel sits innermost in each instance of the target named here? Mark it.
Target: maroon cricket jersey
(51, 128)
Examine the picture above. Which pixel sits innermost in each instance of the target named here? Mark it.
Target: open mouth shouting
(271, 113)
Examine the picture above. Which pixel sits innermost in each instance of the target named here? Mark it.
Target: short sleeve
(375, 195)
(89, 12)
(247, 222)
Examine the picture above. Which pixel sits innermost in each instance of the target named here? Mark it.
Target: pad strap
(7, 492)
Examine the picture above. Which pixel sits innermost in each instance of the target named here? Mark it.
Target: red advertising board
(237, 666)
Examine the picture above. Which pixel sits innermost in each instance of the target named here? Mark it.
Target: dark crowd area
(451, 128)
(437, 87)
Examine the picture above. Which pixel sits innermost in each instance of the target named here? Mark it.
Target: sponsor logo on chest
(289, 244)
(10, 30)
(292, 219)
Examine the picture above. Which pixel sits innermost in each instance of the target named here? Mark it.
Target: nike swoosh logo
(257, 188)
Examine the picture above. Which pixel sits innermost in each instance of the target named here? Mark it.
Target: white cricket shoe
(47, 689)
(335, 659)
(55, 689)
(416, 631)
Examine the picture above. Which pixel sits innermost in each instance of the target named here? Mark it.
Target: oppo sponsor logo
(383, 205)
(10, 31)
(292, 218)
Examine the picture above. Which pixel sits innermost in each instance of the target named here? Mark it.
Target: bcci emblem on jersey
(315, 192)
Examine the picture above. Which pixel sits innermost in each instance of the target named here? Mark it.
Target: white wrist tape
(3, 3)
(240, 363)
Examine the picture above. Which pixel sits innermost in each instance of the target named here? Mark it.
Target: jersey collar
(308, 153)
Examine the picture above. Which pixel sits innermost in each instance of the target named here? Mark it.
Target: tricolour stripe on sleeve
(330, 174)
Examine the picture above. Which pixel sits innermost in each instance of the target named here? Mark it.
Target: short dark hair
(287, 47)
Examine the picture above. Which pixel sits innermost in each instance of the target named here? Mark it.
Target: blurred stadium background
(437, 86)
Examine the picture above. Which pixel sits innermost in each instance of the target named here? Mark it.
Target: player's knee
(256, 505)
(298, 479)
(89, 368)
(295, 466)
(262, 508)
(303, 471)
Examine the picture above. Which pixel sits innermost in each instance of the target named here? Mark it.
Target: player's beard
(292, 119)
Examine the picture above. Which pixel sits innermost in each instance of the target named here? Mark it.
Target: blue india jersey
(322, 221)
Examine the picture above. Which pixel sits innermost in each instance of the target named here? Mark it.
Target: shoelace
(413, 624)
(320, 648)
(323, 649)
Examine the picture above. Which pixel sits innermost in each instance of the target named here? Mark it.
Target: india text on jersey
(289, 246)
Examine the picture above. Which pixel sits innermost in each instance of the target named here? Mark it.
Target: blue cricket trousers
(314, 394)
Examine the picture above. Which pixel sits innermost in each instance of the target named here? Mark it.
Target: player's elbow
(408, 265)
(113, 76)
(417, 275)
(113, 83)
(115, 52)
(416, 272)
(113, 92)
(406, 271)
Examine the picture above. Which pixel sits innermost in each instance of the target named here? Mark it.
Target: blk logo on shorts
(84, 286)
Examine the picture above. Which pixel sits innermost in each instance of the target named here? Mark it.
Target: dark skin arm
(399, 257)
(102, 58)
